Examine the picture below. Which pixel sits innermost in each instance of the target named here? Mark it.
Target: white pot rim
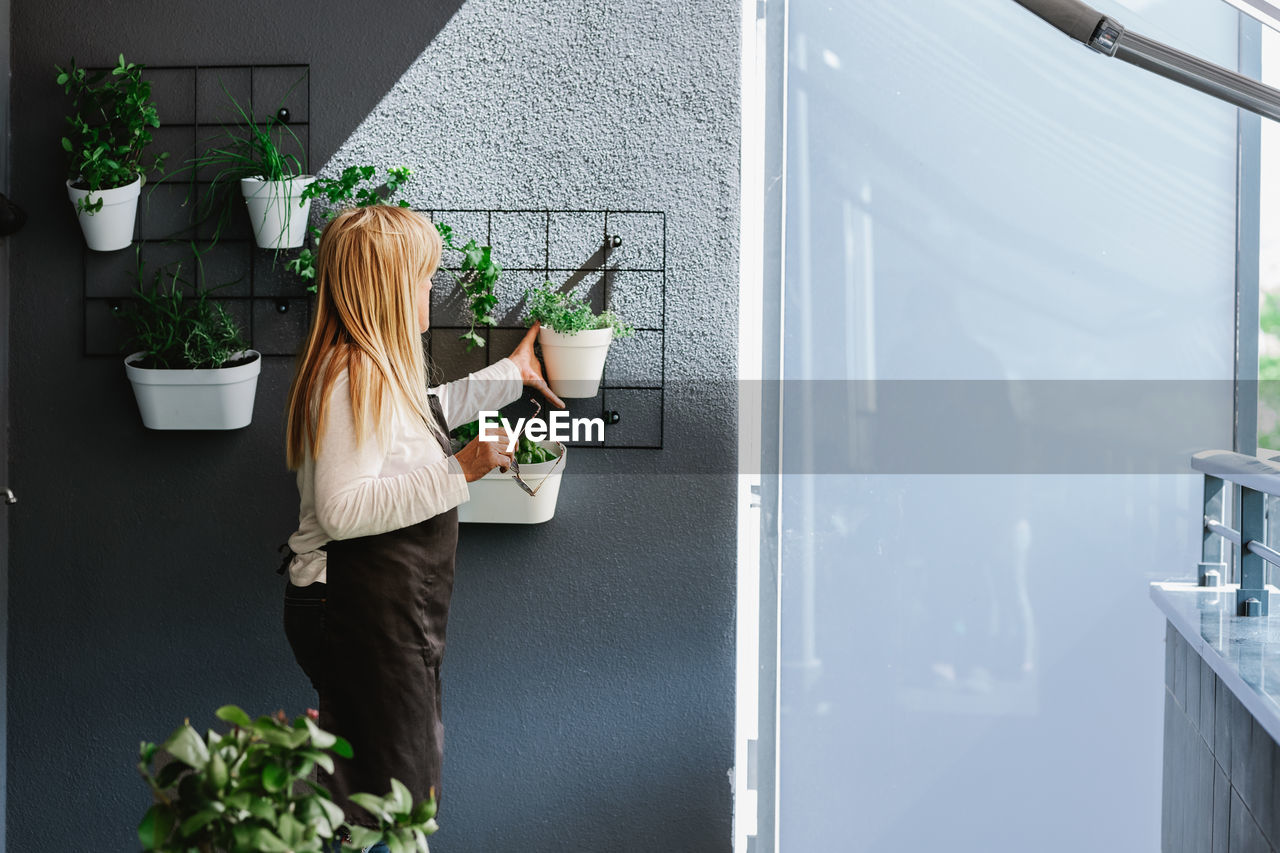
(194, 376)
(247, 184)
(110, 195)
(534, 472)
(586, 338)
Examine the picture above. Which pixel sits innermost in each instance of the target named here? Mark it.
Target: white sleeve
(352, 500)
(489, 389)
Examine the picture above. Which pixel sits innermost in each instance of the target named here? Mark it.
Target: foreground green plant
(353, 188)
(111, 122)
(568, 314)
(178, 326)
(247, 791)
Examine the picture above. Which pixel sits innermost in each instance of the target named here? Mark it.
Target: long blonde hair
(370, 261)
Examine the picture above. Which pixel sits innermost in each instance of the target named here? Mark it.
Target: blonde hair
(369, 263)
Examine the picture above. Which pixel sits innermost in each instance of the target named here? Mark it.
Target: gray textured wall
(1219, 793)
(589, 678)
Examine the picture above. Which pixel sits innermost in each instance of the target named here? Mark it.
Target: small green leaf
(235, 715)
(400, 800)
(197, 821)
(155, 828)
(274, 777)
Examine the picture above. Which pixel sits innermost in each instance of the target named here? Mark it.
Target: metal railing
(1253, 479)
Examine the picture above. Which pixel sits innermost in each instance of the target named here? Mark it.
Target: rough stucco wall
(589, 680)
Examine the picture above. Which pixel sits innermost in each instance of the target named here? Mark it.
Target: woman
(371, 567)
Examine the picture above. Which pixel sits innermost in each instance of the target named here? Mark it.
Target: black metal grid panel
(566, 246)
(271, 304)
(574, 249)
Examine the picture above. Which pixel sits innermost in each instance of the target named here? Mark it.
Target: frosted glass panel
(971, 661)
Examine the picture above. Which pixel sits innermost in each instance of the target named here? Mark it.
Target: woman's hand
(530, 369)
(478, 457)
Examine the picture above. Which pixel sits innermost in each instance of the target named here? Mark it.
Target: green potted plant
(271, 181)
(190, 369)
(111, 122)
(574, 339)
(497, 498)
(248, 791)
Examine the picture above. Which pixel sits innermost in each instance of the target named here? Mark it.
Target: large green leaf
(235, 715)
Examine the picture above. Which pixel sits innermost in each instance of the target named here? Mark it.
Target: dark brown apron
(375, 662)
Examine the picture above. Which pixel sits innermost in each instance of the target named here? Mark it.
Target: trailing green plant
(353, 188)
(477, 276)
(177, 325)
(528, 452)
(569, 314)
(248, 791)
(111, 122)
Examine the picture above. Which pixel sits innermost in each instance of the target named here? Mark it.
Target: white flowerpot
(574, 362)
(497, 499)
(209, 398)
(278, 216)
(110, 228)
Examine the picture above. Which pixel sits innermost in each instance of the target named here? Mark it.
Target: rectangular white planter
(496, 499)
(211, 398)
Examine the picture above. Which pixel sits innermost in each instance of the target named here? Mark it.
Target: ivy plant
(111, 122)
(355, 187)
(248, 791)
(569, 314)
(476, 277)
(177, 325)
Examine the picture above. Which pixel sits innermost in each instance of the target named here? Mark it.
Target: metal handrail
(1252, 478)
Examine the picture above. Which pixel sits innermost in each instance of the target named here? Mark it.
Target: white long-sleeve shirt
(347, 492)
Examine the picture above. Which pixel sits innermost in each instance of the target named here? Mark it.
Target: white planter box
(574, 362)
(211, 398)
(279, 221)
(110, 228)
(497, 499)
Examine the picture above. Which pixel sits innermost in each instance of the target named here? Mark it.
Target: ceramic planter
(210, 398)
(574, 362)
(110, 228)
(278, 217)
(496, 499)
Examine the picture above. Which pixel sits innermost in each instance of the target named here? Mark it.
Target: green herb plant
(111, 122)
(177, 325)
(477, 276)
(245, 149)
(569, 314)
(248, 791)
(353, 188)
(528, 452)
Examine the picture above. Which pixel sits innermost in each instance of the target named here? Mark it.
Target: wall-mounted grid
(271, 304)
(613, 258)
